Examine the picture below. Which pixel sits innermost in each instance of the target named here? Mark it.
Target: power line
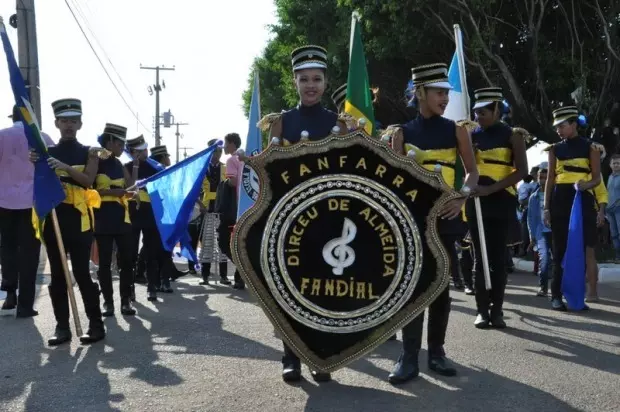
(104, 68)
(94, 36)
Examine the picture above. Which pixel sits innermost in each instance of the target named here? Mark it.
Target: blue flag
(47, 191)
(174, 192)
(152, 162)
(248, 190)
(574, 262)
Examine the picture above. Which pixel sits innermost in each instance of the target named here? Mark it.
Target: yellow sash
(103, 182)
(208, 195)
(496, 164)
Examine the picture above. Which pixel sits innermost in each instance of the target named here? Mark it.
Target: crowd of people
(103, 205)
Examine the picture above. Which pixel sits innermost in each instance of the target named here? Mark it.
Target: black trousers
(19, 255)
(77, 245)
(124, 247)
(224, 232)
(559, 235)
(438, 313)
(194, 234)
(496, 233)
(467, 264)
(158, 259)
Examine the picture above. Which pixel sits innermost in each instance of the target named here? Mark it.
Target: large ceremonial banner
(342, 247)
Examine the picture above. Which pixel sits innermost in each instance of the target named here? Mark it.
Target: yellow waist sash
(572, 170)
(82, 199)
(496, 164)
(103, 182)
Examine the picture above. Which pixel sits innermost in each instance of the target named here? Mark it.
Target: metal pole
(157, 90)
(178, 135)
(28, 54)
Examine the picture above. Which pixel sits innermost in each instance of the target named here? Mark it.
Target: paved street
(212, 349)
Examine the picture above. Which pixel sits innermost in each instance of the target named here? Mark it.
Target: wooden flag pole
(65, 268)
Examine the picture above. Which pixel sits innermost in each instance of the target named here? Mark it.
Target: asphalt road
(212, 349)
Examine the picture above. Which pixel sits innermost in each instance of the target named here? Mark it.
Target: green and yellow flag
(359, 96)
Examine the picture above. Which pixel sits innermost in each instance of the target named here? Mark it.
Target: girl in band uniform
(112, 223)
(309, 119)
(573, 161)
(502, 163)
(436, 143)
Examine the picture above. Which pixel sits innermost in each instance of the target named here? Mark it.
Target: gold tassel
(265, 123)
(524, 134)
(469, 125)
(349, 120)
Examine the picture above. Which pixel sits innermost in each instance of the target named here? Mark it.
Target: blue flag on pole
(174, 192)
(574, 262)
(152, 162)
(47, 191)
(248, 190)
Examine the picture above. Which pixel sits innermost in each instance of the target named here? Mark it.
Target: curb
(607, 272)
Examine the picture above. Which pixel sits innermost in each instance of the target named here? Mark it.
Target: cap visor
(69, 114)
(480, 105)
(310, 65)
(439, 85)
(143, 146)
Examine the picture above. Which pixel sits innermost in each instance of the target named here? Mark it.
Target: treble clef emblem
(337, 252)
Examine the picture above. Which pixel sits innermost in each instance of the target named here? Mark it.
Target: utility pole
(28, 55)
(158, 88)
(184, 151)
(178, 135)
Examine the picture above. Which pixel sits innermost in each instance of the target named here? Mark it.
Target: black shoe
(542, 292)
(239, 285)
(204, 282)
(291, 373)
(127, 309)
(25, 313)
(458, 284)
(108, 309)
(10, 302)
(321, 376)
(482, 321)
(61, 335)
(557, 304)
(224, 281)
(497, 320)
(95, 333)
(151, 296)
(441, 365)
(469, 291)
(406, 369)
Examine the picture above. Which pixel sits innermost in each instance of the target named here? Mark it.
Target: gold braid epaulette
(600, 148)
(349, 120)
(265, 123)
(391, 130)
(469, 125)
(521, 132)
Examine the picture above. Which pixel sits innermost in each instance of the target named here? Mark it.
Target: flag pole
(458, 39)
(65, 268)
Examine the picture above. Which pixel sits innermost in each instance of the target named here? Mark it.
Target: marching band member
(210, 252)
(309, 119)
(142, 218)
(76, 167)
(112, 223)
(572, 161)
(435, 142)
(502, 163)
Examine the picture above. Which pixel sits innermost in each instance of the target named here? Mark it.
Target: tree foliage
(539, 51)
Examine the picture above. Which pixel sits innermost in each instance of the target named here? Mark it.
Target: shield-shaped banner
(341, 247)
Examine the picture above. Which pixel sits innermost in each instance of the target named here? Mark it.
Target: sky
(212, 45)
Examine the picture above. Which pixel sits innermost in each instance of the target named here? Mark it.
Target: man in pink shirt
(234, 173)
(19, 247)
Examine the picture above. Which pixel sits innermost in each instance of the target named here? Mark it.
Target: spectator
(540, 234)
(613, 208)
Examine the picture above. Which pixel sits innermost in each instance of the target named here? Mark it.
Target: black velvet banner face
(342, 246)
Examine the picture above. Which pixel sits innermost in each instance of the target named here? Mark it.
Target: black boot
(95, 333)
(291, 372)
(151, 294)
(321, 376)
(482, 320)
(437, 362)
(108, 308)
(497, 318)
(406, 369)
(205, 271)
(126, 308)
(62, 334)
(10, 302)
